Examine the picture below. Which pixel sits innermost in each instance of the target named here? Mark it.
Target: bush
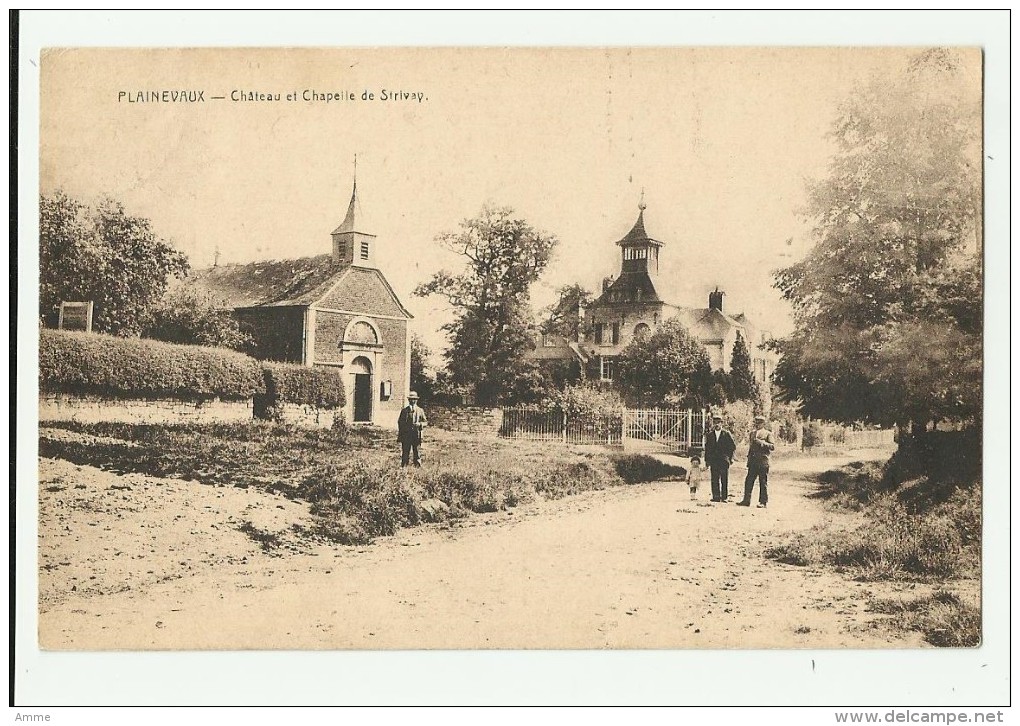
(290, 383)
(104, 365)
(814, 434)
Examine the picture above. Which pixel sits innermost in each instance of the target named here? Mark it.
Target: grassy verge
(354, 483)
(944, 619)
(926, 528)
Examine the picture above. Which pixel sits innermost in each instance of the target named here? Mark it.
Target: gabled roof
(708, 324)
(302, 282)
(268, 283)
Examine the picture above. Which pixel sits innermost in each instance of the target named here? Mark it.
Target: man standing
(719, 448)
(409, 427)
(761, 446)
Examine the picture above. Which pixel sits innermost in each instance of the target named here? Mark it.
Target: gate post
(563, 430)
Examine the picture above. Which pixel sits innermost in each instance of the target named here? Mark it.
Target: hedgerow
(105, 365)
(290, 383)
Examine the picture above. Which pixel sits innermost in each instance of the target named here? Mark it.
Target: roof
(268, 283)
(355, 217)
(280, 283)
(709, 323)
(632, 286)
(637, 234)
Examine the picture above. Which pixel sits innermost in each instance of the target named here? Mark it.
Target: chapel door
(362, 397)
(361, 368)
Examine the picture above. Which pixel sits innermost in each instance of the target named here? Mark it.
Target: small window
(364, 250)
(606, 368)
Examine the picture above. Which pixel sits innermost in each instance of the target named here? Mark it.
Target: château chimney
(715, 300)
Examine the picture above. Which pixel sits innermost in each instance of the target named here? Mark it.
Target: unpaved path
(134, 562)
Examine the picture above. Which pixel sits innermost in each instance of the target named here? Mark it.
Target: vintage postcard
(605, 348)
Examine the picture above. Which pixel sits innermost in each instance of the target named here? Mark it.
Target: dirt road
(138, 563)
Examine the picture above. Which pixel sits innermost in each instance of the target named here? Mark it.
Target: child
(694, 475)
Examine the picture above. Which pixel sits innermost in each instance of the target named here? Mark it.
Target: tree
(743, 385)
(490, 331)
(670, 367)
(103, 255)
(423, 380)
(191, 317)
(565, 317)
(889, 282)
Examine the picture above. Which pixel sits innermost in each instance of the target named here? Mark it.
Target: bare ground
(133, 562)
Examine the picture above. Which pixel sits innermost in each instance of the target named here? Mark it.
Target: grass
(944, 619)
(925, 528)
(354, 484)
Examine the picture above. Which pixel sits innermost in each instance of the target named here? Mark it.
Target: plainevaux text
(164, 95)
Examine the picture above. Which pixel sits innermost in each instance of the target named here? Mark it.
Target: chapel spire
(351, 244)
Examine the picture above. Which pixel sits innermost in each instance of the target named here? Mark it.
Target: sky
(720, 142)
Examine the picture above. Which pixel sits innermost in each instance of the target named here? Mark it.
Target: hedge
(290, 383)
(104, 365)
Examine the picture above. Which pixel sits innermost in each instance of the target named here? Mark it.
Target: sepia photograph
(606, 348)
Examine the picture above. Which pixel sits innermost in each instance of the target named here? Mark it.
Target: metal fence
(663, 429)
(554, 424)
(679, 430)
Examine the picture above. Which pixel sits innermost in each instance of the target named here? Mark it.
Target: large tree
(887, 303)
(565, 317)
(489, 335)
(192, 317)
(102, 254)
(423, 379)
(743, 385)
(670, 367)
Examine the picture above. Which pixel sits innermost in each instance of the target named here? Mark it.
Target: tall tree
(423, 380)
(669, 367)
(743, 385)
(503, 256)
(191, 317)
(103, 255)
(565, 317)
(896, 220)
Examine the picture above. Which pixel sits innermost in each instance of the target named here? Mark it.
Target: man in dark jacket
(719, 448)
(762, 443)
(409, 429)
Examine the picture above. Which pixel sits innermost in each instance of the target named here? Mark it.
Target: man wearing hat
(409, 427)
(719, 448)
(762, 445)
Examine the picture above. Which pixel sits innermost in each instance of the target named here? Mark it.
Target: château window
(606, 368)
(616, 333)
(598, 333)
(364, 250)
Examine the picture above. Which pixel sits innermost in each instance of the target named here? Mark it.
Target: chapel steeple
(351, 244)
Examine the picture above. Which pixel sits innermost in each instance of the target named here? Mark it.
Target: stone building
(630, 305)
(333, 310)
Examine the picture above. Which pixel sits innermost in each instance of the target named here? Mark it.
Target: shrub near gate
(104, 365)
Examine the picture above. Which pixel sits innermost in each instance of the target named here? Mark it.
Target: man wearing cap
(719, 448)
(409, 427)
(762, 445)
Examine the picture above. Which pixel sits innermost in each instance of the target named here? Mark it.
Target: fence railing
(680, 430)
(674, 430)
(554, 424)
